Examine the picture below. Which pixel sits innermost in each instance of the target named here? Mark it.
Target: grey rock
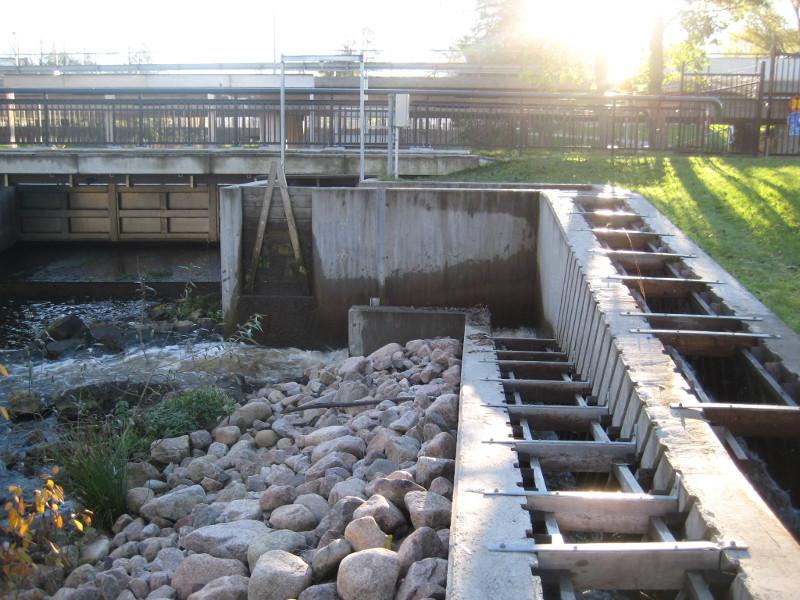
(443, 487)
(446, 406)
(226, 540)
(294, 517)
(389, 518)
(278, 575)
(199, 569)
(348, 487)
(364, 533)
(227, 435)
(315, 503)
(420, 543)
(322, 435)
(96, 551)
(67, 327)
(170, 450)
(281, 539)
(112, 582)
(346, 443)
(443, 445)
(200, 439)
(277, 495)
(428, 509)
(235, 490)
(266, 438)
(323, 591)
(429, 468)
(140, 472)
(333, 460)
(342, 513)
(165, 592)
(394, 490)
(238, 510)
(137, 497)
(174, 505)
(169, 559)
(421, 575)
(82, 574)
(229, 587)
(327, 559)
(368, 575)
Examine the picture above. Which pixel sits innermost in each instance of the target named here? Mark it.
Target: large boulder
(346, 443)
(278, 575)
(174, 505)
(226, 540)
(368, 575)
(197, 570)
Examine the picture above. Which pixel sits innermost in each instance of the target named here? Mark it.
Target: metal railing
(330, 118)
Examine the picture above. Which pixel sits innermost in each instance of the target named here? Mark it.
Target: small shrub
(95, 461)
(197, 409)
(31, 532)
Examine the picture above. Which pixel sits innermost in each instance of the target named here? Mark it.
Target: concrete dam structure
(642, 440)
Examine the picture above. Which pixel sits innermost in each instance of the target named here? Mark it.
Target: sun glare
(618, 29)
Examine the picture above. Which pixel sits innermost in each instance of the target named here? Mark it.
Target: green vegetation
(745, 212)
(94, 460)
(197, 409)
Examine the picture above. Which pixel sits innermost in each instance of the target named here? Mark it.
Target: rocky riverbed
(349, 502)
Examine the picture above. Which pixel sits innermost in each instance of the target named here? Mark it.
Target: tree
(499, 37)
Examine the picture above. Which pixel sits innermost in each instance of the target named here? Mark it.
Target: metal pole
(361, 117)
(389, 134)
(283, 115)
(771, 95)
(759, 109)
(397, 153)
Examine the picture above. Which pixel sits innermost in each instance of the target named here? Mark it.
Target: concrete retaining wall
(370, 327)
(8, 217)
(425, 247)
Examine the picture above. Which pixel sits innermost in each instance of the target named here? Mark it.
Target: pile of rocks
(351, 503)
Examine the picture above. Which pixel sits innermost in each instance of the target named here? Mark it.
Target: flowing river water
(174, 362)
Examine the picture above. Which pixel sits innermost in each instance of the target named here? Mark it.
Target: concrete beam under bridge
(223, 161)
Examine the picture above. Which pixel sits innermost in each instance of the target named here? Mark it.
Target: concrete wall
(230, 246)
(8, 217)
(425, 247)
(370, 327)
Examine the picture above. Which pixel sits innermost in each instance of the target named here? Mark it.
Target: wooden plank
(535, 369)
(705, 343)
(530, 355)
(557, 418)
(664, 287)
(577, 457)
(641, 259)
(549, 385)
(767, 379)
(213, 210)
(613, 218)
(602, 512)
(752, 419)
(250, 277)
(691, 321)
(287, 209)
(624, 565)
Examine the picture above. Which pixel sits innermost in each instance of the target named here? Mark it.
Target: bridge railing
(324, 118)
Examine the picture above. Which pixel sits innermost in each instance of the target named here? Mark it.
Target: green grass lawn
(745, 212)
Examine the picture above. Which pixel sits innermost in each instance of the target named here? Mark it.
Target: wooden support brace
(752, 419)
(261, 229)
(520, 343)
(577, 457)
(530, 355)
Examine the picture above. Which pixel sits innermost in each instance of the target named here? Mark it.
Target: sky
(242, 31)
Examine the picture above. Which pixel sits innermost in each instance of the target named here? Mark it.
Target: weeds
(95, 459)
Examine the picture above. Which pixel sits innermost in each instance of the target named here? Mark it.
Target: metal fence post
(759, 110)
(361, 118)
(283, 114)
